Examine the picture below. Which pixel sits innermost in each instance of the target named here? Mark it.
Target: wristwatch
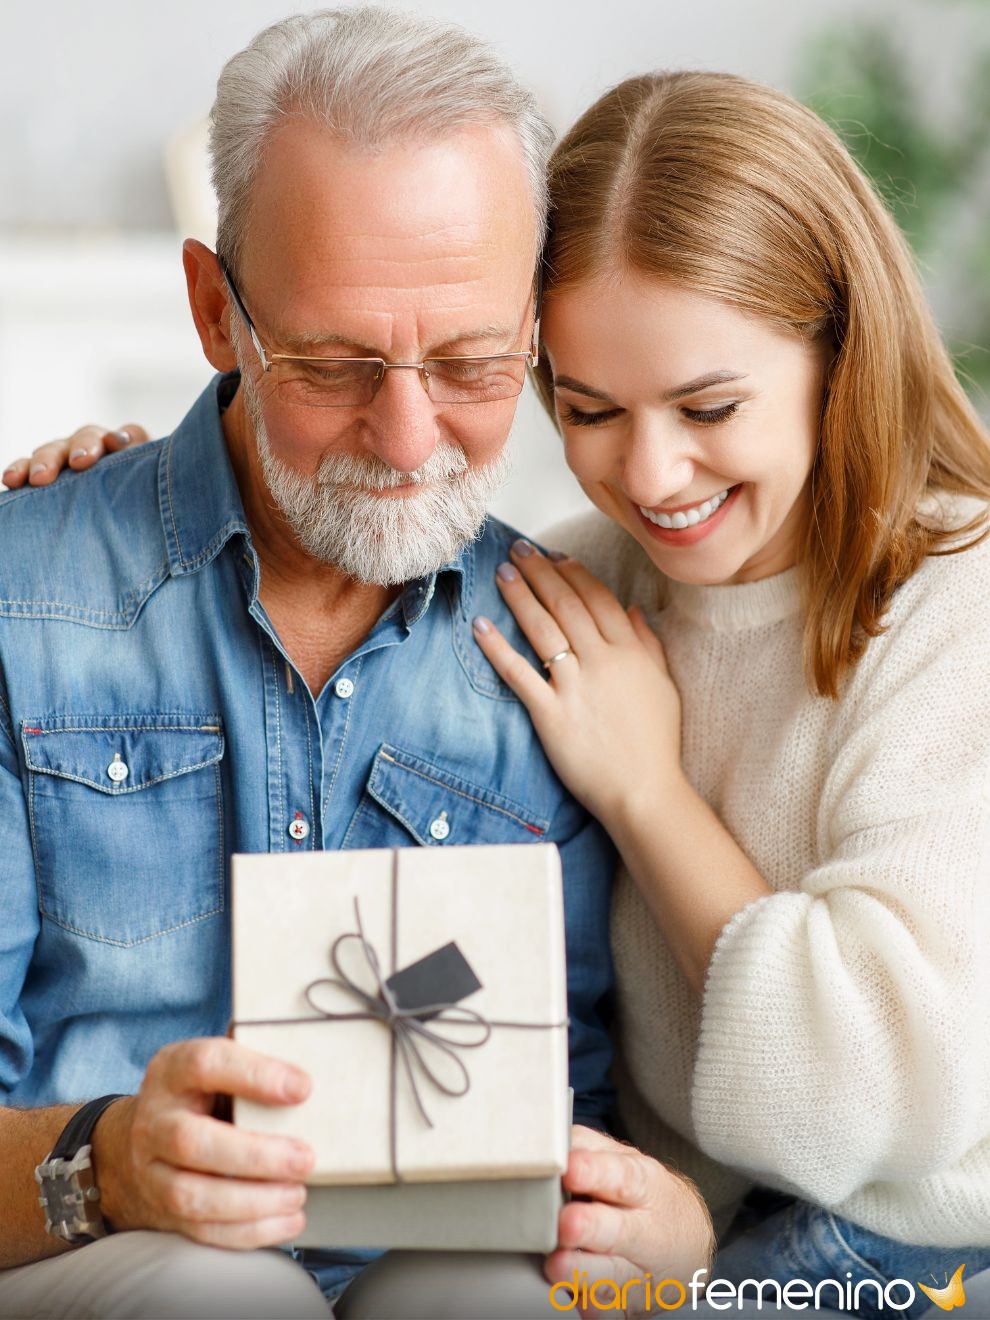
(69, 1195)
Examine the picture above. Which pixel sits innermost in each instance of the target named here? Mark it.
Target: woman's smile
(689, 523)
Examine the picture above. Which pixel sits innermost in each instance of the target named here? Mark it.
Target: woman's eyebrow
(678, 392)
(578, 387)
(702, 383)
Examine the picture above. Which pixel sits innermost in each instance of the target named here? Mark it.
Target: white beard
(374, 538)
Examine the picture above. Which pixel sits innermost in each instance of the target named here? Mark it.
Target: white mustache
(372, 473)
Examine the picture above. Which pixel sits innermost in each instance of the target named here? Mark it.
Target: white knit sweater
(841, 1050)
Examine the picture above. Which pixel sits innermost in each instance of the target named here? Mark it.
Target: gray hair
(373, 76)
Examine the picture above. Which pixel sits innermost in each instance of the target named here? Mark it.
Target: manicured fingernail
(557, 555)
(123, 437)
(481, 624)
(522, 548)
(506, 572)
(38, 468)
(78, 453)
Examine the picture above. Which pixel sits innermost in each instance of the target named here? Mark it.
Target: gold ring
(559, 656)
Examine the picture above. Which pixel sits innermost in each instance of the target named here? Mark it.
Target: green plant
(932, 166)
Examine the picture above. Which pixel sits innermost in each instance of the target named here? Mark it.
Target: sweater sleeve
(845, 1034)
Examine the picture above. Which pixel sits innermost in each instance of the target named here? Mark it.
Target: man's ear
(209, 303)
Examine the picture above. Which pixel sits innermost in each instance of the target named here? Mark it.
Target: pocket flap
(437, 806)
(121, 754)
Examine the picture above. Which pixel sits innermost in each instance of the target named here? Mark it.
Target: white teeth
(688, 517)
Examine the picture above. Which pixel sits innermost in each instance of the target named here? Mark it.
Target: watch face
(70, 1199)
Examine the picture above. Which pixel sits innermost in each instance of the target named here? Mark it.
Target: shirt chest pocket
(127, 823)
(408, 799)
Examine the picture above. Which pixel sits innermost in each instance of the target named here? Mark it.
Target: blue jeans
(802, 1241)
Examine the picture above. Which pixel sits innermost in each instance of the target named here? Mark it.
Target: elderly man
(255, 636)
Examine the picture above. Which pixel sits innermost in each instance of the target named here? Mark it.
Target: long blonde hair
(735, 190)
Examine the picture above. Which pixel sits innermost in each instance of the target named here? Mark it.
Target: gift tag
(443, 977)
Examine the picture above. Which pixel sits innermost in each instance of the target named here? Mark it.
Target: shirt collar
(201, 506)
(198, 498)
(458, 576)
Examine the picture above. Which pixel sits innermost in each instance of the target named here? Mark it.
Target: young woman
(788, 731)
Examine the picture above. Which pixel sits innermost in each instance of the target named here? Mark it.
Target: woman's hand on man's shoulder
(79, 451)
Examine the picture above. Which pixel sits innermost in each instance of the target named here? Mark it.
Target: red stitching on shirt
(534, 830)
(34, 730)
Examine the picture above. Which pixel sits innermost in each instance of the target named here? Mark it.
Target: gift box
(424, 992)
(495, 1214)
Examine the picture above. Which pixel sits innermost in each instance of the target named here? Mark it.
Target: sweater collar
(740, 606)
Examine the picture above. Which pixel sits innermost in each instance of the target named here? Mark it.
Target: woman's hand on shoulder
(607, 712)
(635, 1216)
(81, 450)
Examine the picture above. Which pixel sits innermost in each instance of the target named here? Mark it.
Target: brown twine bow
(406, 1025)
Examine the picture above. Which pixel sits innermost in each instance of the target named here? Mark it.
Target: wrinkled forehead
(427, 229)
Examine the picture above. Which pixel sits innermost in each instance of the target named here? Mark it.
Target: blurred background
(102, 110)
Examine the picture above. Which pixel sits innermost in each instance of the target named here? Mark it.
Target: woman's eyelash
(711, 416)
(702, 416)
(572, 417)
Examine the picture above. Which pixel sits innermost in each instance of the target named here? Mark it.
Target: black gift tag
(443, 977)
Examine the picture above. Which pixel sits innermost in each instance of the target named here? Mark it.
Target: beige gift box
(503, 907)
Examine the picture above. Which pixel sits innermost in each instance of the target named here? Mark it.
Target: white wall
(90, 92)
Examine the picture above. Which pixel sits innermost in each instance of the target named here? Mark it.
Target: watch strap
(68, 1193)
(79, 1129)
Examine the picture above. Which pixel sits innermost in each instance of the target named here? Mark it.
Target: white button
(298, 829)
(439, 827)
(117, 770)
(343, 688)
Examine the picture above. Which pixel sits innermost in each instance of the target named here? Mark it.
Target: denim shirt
(151, 724)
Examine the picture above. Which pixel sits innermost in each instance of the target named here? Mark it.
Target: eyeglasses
(353, 382)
